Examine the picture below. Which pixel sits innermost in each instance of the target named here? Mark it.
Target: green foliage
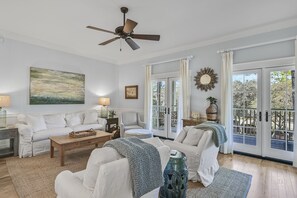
(112, 113)
(212, 100)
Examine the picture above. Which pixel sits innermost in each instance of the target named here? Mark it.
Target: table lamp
(105, 102)
(4, 102)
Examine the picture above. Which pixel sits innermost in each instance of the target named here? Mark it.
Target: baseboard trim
(264, 158)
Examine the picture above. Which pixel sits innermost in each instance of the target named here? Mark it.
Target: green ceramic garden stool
(175, 176)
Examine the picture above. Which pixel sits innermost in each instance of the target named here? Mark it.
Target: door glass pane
(174, 95)
(158, 104)
(245, 108)
(282, 85)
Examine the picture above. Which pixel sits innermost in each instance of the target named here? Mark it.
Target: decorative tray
(80, 134)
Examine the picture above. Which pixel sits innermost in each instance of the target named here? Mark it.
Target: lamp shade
(104, 101)
(4, 101)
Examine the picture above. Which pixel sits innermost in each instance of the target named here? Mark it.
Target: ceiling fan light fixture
(126, 32)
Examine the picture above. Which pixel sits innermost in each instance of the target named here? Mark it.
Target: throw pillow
(55, 121)
(193, 136)
(91, 117)
(181, 136)
(98, 157)
(36, 122)
(73, 119)
(22, 119)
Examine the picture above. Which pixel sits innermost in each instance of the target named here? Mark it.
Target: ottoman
(140, 133)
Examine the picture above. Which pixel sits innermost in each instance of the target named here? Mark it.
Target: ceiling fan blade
(132, 44)
(99, 29)
(129, 26)
(109, 41)
(150, 37)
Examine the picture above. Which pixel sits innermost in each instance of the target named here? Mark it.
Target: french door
(263, 112)
(165, 103)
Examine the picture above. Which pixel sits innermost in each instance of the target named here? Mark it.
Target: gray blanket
(144, 161)
(218, 136)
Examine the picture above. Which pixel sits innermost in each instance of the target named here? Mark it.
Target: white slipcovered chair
(200, 151)
(107, 175)
(130, 120)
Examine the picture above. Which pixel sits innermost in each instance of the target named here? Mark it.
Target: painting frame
(131, 92)
(55, 87)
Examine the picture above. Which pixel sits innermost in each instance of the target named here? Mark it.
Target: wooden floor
(270, 179)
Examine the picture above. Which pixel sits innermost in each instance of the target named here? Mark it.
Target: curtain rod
(257, 45)
(172, 60)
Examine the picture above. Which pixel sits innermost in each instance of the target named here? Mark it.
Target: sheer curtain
(295, 134)
(148, 96)
(185, 94)
(226, 100)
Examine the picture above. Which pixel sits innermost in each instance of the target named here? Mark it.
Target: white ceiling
(60, 24)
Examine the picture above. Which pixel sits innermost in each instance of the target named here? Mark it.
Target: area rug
(34, 177)
(227, 184)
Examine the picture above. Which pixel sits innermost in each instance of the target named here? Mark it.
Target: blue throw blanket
(144, 161)
(219, 134)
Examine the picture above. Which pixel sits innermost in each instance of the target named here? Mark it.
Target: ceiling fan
(126, 32)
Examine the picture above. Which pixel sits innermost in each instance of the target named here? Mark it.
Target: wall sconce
(4, 102)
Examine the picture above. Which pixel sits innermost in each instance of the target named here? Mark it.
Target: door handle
(266, 116)
(165, 110)
(260, 116)
(168, 110)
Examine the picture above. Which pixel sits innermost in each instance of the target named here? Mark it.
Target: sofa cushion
(55, 121)
(36, 122)
(74, 119)
(193, 136)
(45, 134)
(98, 157)
(91, 117)
(87, 127)
(156, 142)
(132, 127)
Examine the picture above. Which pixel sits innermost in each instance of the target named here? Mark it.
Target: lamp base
(104, 112)
(2, 118)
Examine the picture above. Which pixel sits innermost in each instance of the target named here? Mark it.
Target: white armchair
(130, 120)
(200, 151)
(107, 175)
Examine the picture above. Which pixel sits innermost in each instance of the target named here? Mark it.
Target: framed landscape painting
(131, 92)
(56, 87)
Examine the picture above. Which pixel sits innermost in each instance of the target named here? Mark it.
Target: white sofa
(107, 175)
(200, 151)
(35, 130)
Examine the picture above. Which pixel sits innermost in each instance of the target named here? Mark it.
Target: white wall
(16, 58)
(206, 57)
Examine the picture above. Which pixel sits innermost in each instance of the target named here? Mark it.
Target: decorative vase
(175, 176)
(212, 112)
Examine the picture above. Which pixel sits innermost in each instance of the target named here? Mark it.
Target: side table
(192, 121)
(13, 135)
(112, 126)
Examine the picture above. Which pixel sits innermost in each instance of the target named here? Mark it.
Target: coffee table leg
(52, 149)
(62, 156)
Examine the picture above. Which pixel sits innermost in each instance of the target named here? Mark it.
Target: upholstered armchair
(200, 151)
(130, 120)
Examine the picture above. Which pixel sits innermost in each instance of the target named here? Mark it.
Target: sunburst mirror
(206, 79)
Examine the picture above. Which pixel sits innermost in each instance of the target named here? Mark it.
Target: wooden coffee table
(63, 143)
